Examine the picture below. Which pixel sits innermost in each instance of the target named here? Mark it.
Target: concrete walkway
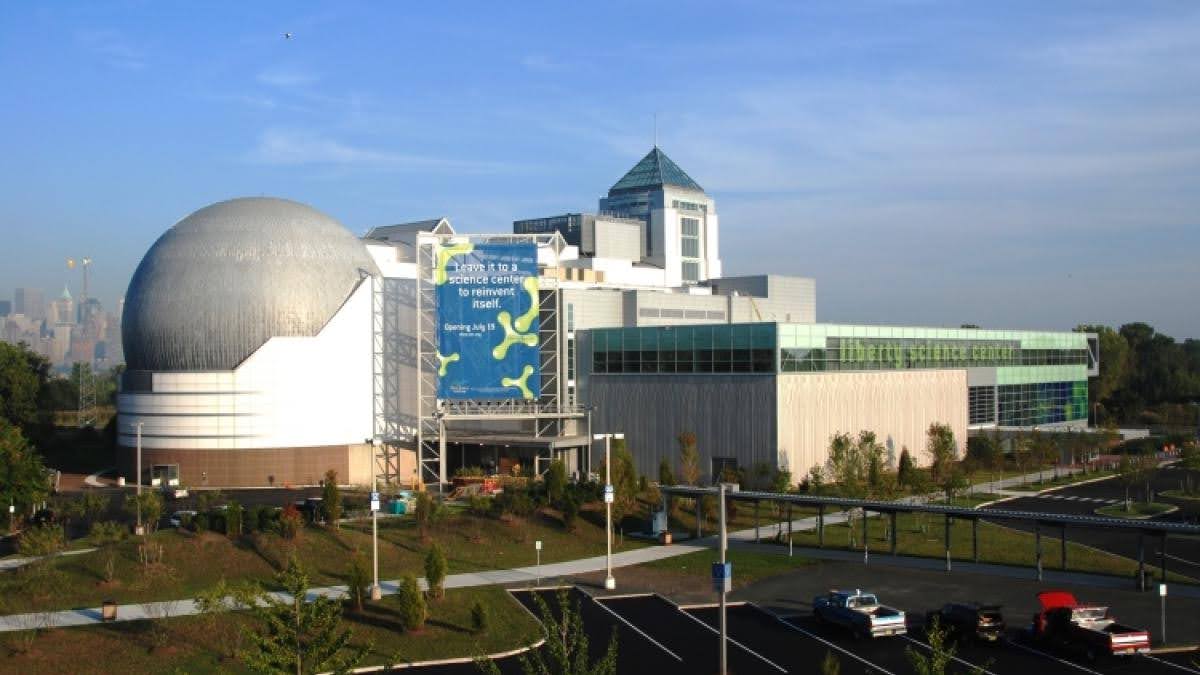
(15, 562)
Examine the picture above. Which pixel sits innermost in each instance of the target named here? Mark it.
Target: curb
(1151, 516)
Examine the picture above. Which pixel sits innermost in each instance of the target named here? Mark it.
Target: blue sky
(1015, 164)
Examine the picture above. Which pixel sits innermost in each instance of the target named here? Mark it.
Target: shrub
(331, 502)
(106, 535)
(556, 482)
(41, 540)
(515, 502)
(234, 517)
(435, 571)
(290, 522)
(267, 518)
(570, 512)
(478, 505)
(665, 475)
(479, 617)
(412, 604)
(201, 522)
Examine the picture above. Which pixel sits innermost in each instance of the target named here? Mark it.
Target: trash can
(108, 610)
(398, 507)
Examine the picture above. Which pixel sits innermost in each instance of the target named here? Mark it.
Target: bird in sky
(287, 36)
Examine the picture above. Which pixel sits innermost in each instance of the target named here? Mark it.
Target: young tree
(1129, 473)
(290, 522)
(1022, 455)
(413, 611)
(872, 453)
(331, 500)
(150, 504)
(235, 516)
(427, 512)
(105, 535)
(816, 481)
(94, 505)
(941, 651)
(358, 579)
(846, 466)
(624, 481)
(556, 483)
(570, 511)
(942, 448)
(299, 636)
(665, 475)
(905, 468)
(566, 651)
(22, 476)
(689, 459)
(215, 604)
(435, 571)
(479, 617)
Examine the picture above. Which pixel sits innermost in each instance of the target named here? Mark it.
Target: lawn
(1180, 494)
(1136, 510)
(1062, 481)
(923, 536)
(193, 562)
(748, 566)
(193, 645)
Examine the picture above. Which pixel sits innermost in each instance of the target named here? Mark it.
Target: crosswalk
(1075, 498)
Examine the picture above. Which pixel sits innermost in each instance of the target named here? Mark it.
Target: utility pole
(725, 580)
(140, 529)
(376, 590)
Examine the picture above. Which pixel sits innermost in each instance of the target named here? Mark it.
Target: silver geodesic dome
(224, 280)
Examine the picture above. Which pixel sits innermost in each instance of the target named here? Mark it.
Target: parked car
(181, 518)
(1088, 630)
(860, 613)
(312, 508)
(174, 492)
(969, 620)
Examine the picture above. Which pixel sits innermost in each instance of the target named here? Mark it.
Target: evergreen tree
(435, 571)
(665, 475)
(331, 500)
(905, 468)
(413, 611)
(556, 483)
(299, 636)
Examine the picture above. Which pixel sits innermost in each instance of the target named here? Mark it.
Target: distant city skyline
(1016, 165)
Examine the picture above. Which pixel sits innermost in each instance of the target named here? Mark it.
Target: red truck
(1086, 629)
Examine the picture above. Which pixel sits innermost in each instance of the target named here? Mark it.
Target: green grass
(1135, 510)
(192, 563)
(1061, 481)
(195, 646)
(1180, 494)
(923, 536)
(748, 566)
(969, 501)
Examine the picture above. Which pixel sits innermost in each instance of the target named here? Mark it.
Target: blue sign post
(487, 298)
(722, 577)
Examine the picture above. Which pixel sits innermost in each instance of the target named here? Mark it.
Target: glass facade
(981, 405)
(1038, 403)
(721, 348)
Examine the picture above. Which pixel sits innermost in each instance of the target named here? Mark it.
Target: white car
(180, 517)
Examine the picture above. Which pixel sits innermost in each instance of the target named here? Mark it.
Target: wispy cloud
(293, 147)
(112, 48)
(542, 63)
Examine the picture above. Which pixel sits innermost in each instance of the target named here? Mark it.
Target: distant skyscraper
(64, 309)
(30, 302)
(5, 307)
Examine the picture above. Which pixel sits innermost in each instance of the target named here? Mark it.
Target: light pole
(376, 590)
(609, 582)
(726, 581)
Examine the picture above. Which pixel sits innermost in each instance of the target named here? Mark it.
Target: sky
(1011, 164)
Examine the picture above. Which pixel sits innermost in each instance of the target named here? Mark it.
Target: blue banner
(487, 298)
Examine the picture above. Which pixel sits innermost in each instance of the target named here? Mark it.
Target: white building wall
(291, 392)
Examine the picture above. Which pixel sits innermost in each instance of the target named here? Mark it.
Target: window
(570, 318)
(689, 236)
(981, 405)
(691, 271)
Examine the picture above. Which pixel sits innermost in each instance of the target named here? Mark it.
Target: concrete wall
(898, 406)
(731, 415)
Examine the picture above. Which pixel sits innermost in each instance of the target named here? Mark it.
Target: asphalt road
(1183, 552)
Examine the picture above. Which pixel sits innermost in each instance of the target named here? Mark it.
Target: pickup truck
(1086, 629)
(860, 613)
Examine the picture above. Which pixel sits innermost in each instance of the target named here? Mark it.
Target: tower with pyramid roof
(681, 224)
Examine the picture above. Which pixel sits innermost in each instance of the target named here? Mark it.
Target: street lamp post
(609, 495)
(140, 528)
(376, 590)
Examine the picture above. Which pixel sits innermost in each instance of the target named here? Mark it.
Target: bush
(435, 571)
(357, 581)
(331, 502)
(556, 482)
(105, 535)
(478, 505)
(234, 517)
(267, 518)
(290, 522)
(41, 540)
(201, 522)
(479, 617)
(514, 502)
(427, 512)
(570, 512)
(412, 604)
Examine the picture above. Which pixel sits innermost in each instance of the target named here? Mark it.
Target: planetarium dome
(227, 278)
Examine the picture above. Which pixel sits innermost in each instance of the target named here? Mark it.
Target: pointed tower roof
(66, 294)
(654, 171)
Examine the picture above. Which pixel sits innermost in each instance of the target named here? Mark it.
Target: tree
(412, 604)
(234, 517)
(23, 376)
(479, 617)
(427, 512)
(665, 475)
(952, 482)
(624, 481)
(566, 651)
(689, 459)
(847, 466)
(331, 500)
(570, 511)
(297, 635)
(905, 468)
(1114, 365)
(149, 504)
(941, 651)
(357, 580)
(290, 522)
(22, 477)
(214, 605)
(93, 505)
(41, 541)
(830, 665)
(982, 451)
(435, 571)
(942, 448)
(556, 482)
(1022, 454)
(872, 453)
(1129, 472)
(105, 536)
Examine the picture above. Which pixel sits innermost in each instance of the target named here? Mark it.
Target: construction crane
(86, 415)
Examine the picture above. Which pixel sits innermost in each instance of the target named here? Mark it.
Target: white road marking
(974, 667)
(639, 631)
(1169, 663)
(831, 645)
(760, 656)
(1065, 662)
